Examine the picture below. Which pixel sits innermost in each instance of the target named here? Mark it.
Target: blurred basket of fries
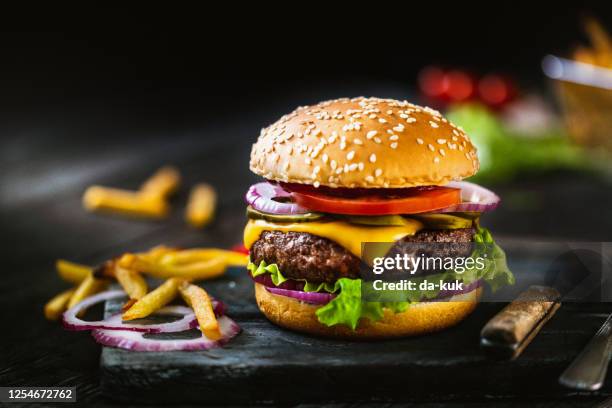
(583, 85)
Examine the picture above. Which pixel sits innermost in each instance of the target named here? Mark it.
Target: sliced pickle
(258, 215)
(471, 215)
(377, 220)
(443, 221)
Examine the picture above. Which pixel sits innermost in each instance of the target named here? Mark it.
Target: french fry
(131, 281)
(97, 198)
(157, 252)
(200, 302)
(89, 286)
(232, 258)
(598, 36)
(163, 183)
(207, 269)
(154, 300)
(57, 305)
(201, 205)
(105, 270)
(600, 53)
(585, 55)
(72, 272)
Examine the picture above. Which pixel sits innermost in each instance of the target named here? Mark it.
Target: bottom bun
(420, 318)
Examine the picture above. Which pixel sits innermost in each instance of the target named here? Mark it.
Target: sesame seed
(342, 145)
(369, 179)
(350, 155)
(378, 172)
(382, 120)
(399, 128)
(410, 120)
(371, 134)
(372, 116)
(389, 112)
(420, 141)
(353, 167)
(441, 141)
(357, 141)
(431, 147)
(360, 166)
(377, 140)
(333, 164)
(394, 145)
(442, 152)
(394, 137)
(316, 170)
(436, 159)
(372, 158)
(316, 184)
(307, 160)
(404, 116)
(433, 124)
(324, 157)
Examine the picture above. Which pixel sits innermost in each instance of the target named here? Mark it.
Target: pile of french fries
(179, 268)
(600, 52)
(152, 199)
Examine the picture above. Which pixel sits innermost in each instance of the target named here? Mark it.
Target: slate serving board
(266, 363)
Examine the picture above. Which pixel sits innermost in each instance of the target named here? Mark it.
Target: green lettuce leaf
(278, 278)
(496, 272)
(275, 274)
(347, 307)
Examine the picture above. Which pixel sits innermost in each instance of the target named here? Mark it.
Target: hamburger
(345, 172)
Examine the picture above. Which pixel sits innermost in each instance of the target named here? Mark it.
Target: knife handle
(588, 370)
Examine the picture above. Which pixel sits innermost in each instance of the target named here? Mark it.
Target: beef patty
(300, 255)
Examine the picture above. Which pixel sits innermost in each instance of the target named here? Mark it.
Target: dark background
(106, 95)
(182, 66)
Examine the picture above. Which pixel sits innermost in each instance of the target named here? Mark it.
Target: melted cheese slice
(348, 235)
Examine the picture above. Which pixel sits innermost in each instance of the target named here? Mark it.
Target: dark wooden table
(46, 164)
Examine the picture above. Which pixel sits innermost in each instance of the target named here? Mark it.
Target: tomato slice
(411, 201)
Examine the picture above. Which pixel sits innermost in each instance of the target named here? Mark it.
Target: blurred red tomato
(496, 90)
(440, 87)
(431, 82)
(459, 86)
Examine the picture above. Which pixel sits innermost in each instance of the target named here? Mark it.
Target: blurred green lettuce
(504, 153)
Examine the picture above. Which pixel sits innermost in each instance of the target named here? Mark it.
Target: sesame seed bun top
(364, 142)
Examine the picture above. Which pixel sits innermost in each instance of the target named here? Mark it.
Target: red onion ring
(315, 298)
(261, 197)
(135, 341)
(266, 280)
(186, 322)
(319, 298)
(474, 198)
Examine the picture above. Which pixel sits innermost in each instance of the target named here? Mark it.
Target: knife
(588, 370)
